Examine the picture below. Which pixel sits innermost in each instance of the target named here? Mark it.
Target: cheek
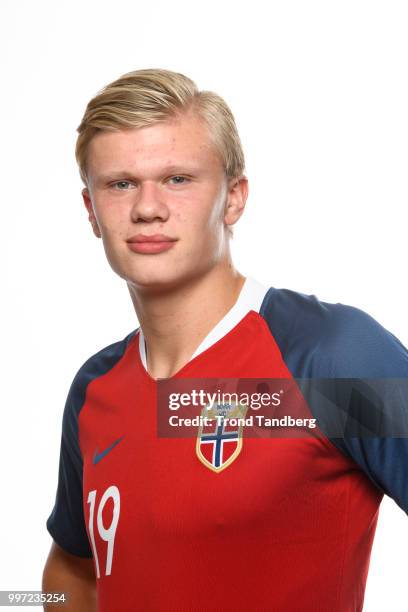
(112, 222)
(198, 229)
(201, 215)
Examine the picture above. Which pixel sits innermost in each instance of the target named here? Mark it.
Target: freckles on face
(148, 159)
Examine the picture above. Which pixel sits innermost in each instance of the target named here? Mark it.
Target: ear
(91, 214)
(236, 199)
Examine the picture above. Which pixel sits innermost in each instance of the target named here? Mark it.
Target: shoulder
(322, 338)
(356, 375)
(95, 366)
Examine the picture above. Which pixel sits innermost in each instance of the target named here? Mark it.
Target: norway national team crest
(219, 439)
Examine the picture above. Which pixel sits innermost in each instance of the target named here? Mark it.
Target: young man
(143, 522)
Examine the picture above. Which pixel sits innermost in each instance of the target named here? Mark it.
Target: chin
(159, 281)
(153, 280)
(157, 272)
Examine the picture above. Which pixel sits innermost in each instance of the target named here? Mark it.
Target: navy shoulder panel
(66, 522)
(365, 372)
(351, 341)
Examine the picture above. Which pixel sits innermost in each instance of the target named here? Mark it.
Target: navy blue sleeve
(356, 346)
(66, 523)
(364, 369)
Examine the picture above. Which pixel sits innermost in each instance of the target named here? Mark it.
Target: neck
(175, 321)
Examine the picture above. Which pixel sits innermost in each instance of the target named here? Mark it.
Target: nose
(149, 203)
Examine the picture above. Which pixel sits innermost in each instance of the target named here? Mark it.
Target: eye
(183, 179)
(121, 183)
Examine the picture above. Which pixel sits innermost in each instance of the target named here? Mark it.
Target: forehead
(183, 140)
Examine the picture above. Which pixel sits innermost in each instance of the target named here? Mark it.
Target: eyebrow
(174, 168)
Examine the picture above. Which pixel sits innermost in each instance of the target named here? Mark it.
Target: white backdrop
(319, 93)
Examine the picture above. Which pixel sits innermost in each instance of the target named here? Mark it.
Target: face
(162, 179)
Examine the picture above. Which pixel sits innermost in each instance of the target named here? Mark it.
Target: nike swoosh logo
(98, 456)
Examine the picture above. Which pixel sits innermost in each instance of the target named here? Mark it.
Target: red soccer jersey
(286, 524)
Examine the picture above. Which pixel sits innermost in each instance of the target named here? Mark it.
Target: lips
(150, 244)
(150, 238)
